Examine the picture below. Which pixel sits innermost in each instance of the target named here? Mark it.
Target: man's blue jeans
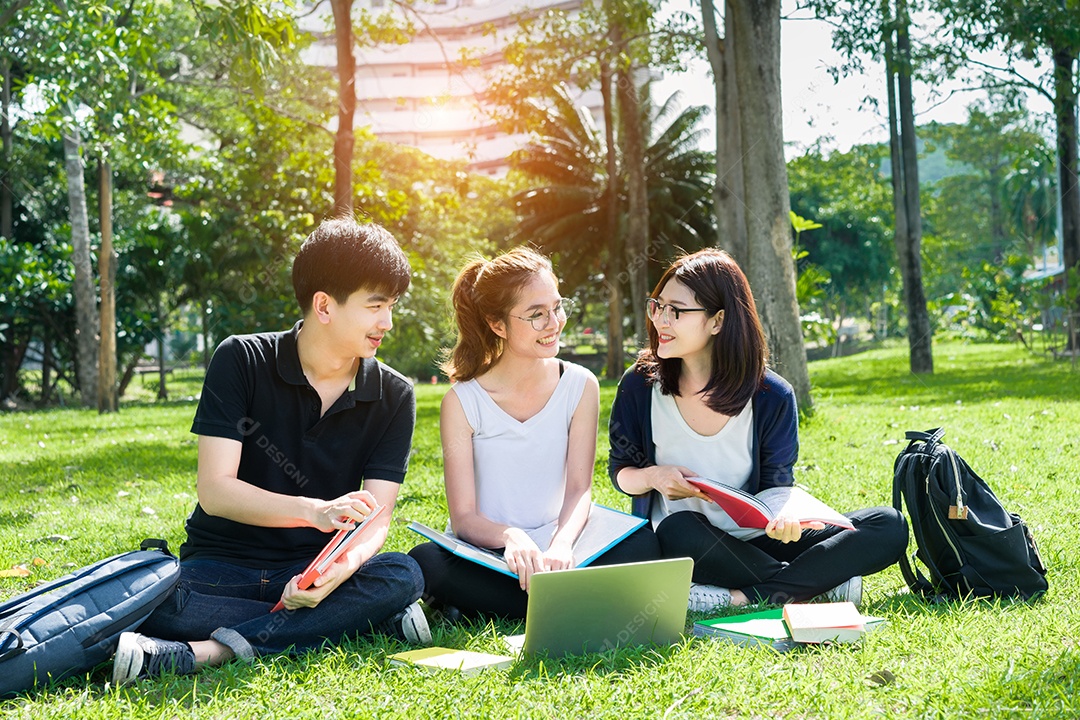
(231, 604)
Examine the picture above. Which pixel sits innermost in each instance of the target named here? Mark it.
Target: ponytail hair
(484, 292)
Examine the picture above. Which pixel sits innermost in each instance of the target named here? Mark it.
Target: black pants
(775, 572)
(476, 590)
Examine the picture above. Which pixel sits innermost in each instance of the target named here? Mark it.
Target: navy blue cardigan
(776, 434)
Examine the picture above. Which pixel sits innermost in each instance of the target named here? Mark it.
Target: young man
(301, 433)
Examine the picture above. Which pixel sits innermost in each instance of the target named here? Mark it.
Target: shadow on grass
(102, 470)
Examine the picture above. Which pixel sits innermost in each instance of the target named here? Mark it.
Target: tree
(905, 176)
(997, 198)
(613, 42)
(728, 193)
(1046, 30)
(568, 210)
(884, 31)
(344, 141)
(769, 264)
(848, 194)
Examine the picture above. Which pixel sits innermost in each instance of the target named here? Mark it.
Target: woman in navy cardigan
(700, 401)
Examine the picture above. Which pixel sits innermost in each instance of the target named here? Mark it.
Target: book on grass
(603, 530)
(468, 662)
(839, 622)
(338, 545)
(770, 627)
(765, 627)
(755, 511)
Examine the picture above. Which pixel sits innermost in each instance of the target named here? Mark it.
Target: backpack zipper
(944, 530)
(957, 511)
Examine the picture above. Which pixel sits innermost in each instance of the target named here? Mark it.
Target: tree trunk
(46, 368)
(770, 266)
(205, 329)
(1065, 104)
(920, 335)
(12, 353)
(125, 377)
(163, 333)
(728, 203)
(106, 395)
(613, 367)
(7, 199)
(344, 141)
(637, 212)
(86, 323)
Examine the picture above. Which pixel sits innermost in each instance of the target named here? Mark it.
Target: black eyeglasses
(540, 319)
(670, 313)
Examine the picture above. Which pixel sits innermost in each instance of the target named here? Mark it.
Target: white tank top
(726, 457)
(520, 467)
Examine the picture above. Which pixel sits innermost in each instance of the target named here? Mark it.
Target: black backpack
(71, 624)
(969, 543)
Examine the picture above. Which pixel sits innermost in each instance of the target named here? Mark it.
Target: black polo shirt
(255, 392)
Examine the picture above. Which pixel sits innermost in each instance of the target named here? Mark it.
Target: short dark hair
(342, 256)
(739, 350)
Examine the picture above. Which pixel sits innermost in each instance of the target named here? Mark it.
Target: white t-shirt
(520, 467)
(726, 457)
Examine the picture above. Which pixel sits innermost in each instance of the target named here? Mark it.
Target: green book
(765, 627)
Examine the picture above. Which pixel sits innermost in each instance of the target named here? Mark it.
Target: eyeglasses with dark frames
(670, 313)
(540, 319)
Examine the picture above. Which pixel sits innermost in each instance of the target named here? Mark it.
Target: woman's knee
(681, 534)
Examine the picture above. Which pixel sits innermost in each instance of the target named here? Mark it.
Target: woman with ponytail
(518, 432)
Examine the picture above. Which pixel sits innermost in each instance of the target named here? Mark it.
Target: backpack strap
(912, 575)
(18, 648)
(155, 544)
(930, 437)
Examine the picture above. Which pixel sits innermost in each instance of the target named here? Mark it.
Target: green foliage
(106, 482)
(1001, 304)
(849, 257)
(565, 205)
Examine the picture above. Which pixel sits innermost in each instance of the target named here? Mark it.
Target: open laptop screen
(598, 608)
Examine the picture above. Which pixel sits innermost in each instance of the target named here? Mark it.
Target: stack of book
(793, 625)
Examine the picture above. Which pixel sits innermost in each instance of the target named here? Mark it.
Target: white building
(410, 94)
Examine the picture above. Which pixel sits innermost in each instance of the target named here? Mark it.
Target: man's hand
(342, 512)
(339, 571)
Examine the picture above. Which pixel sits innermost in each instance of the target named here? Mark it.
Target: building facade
(420, 94)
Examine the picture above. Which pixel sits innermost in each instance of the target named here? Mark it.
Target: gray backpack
(73, 623)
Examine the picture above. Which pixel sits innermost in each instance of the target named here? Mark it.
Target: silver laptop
(598, 608)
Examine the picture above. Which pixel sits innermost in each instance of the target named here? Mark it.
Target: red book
(755, 511)
(339, 544)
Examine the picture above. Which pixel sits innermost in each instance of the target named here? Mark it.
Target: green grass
(105, 482)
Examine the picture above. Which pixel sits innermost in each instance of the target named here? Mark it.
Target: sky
(817, 109)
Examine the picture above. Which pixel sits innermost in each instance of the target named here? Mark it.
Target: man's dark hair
(342, 256)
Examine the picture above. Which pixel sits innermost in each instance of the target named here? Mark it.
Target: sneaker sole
(128, 661)
(415, 628)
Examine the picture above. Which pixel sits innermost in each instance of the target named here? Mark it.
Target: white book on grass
(604, 529)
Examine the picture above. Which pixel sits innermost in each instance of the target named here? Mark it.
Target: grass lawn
(76, 486)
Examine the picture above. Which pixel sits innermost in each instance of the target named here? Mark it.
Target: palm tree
(564, 212)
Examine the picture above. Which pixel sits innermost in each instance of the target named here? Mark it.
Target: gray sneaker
(706, 598)
(138, 656)
(410, 625)
(849, 590)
